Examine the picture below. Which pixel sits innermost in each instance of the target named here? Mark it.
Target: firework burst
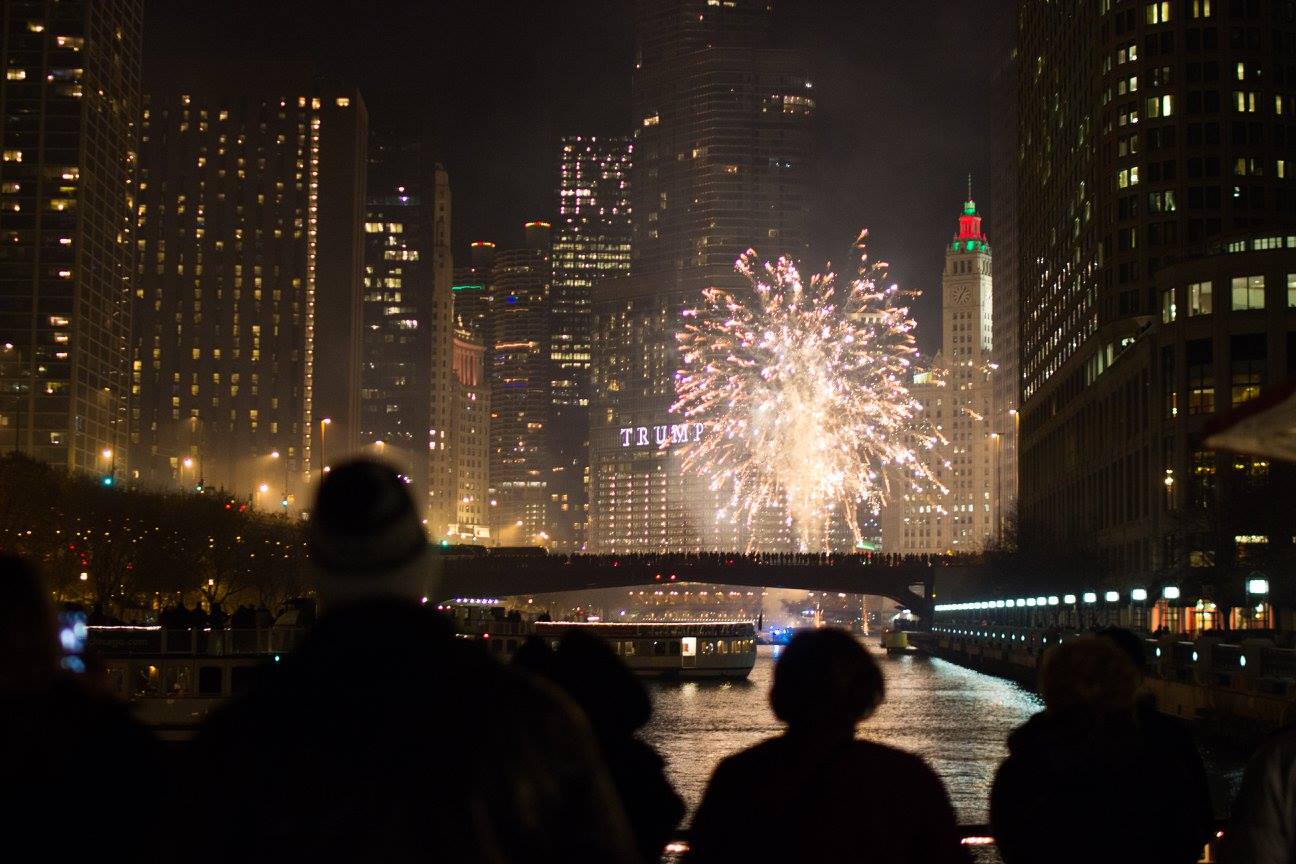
(804, 393)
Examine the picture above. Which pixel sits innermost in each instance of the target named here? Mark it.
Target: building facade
(397, 373)
(591, 246)
(722, 162)
(1153, 174)
(238, 322)
(522, 460)
(1005, 350)
(470, 433)
(71, 105)
(957, 395)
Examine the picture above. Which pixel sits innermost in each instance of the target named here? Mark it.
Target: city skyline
(901, 119)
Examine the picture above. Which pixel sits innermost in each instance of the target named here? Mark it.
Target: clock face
(961, 295)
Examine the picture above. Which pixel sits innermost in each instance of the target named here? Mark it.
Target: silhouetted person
(384, 737)
(817, 793)
(59, 738)
(1086, 780)
(243, 618)
(1262, 829)
(617, 705)
(1170, 736)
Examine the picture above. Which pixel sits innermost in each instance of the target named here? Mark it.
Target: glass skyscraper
(70, 99)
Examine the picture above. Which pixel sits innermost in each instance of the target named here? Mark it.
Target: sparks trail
(805, 395)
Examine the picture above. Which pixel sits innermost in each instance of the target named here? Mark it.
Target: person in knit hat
(383, 737)
(365, 537)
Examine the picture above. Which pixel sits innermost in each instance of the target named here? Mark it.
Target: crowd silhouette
(384, 737)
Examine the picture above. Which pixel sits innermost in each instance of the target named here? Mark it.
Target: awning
(1262, 427)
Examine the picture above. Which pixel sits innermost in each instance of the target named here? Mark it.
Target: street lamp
(274, 454)
(324, 424)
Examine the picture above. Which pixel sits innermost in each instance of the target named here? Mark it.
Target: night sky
(489, 86)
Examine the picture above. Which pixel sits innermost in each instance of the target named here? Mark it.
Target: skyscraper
(591, 246)
(1005, 351)
(71, 103)
(470, 433)
(245, 344)
(957, 395)
(397, 371)
(1156, 243)
(521, 405)
(472, 290)
(722, 162)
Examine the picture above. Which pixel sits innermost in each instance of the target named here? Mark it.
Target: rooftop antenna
(969, 186)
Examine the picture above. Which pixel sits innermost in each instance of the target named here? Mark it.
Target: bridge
(908, 581)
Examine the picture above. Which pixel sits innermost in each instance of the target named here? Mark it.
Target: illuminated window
(1201, 377)
(1244, 101)
(1200, 8)
(16, 74)
(13, 155)
(1157, 13)
(1160, 106)
(1248, 292)
(1199, 298)
(1168, 307)
(343, 101)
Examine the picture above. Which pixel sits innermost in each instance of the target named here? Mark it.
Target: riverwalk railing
(977, 838)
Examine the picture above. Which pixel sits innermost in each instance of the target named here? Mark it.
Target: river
(956, 719)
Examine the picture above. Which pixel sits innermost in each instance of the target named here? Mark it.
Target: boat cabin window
(146, 679)
(210, 681)
(709, 647)
(659, 648)
(674, 648)
(722, 647)
(629, 649)
(179, 679)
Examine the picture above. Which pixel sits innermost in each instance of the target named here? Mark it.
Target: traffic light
(199, 487)
(107, 480)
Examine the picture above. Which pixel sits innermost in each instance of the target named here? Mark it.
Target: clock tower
(956, 394)
(965, 292)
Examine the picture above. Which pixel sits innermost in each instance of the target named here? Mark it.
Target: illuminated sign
(660, 436)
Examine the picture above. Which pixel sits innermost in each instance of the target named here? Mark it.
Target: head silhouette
(365, 536)
(29, 649)
(1090, 674)
(825, 678)
(587, 668)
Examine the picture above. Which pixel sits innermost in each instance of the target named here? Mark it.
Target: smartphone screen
(72, 636)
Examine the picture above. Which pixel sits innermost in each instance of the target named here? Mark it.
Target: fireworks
(804, 393)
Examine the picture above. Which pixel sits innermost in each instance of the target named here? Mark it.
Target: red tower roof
(970, 237)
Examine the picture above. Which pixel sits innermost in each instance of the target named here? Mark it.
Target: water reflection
(956, 719)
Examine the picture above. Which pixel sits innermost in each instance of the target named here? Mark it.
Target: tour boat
(173, 678)
(695, 649)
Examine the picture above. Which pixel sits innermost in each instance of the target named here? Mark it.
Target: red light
(485, 635)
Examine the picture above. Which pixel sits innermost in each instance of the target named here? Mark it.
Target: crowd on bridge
(383, 737)
(738, 559)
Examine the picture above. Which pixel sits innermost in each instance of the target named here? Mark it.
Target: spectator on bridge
(817, 793)
(385, 738)
(1064, 794)
(617, 705)
(1263, 827)
(57, 734)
